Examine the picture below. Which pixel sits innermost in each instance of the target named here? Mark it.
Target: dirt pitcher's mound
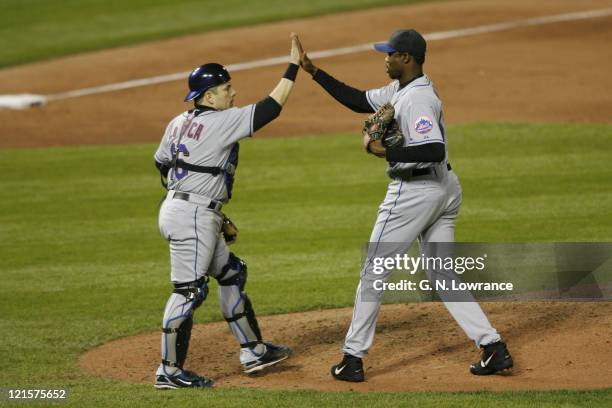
(417, 347)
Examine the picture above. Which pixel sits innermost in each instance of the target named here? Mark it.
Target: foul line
(442, 35)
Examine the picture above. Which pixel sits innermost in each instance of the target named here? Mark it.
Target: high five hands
(305, 62)
(374, 147)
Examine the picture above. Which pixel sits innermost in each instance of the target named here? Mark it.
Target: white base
(21, 101)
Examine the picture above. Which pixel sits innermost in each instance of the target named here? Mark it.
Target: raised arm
(352, 98)
(270, 107)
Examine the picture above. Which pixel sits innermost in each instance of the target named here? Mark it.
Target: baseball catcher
(197, 159)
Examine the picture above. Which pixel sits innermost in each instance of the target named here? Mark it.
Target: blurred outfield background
(31, 30)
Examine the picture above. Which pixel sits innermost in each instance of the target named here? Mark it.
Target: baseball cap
(408, 41)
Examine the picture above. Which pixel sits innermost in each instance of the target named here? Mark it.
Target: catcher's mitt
(381, 125)
(229, 230)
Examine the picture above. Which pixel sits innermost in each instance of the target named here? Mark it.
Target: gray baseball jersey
(210, 138)
(207, 138)
(418, 111)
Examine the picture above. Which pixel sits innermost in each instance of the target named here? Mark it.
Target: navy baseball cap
(408, 41)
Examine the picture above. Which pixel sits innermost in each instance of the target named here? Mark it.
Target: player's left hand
(373, 146)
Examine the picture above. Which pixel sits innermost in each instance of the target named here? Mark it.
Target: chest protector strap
(215, 171)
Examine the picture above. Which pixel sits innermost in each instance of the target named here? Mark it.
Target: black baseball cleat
(495, 359)
(349, 369)
(184, 379)
(279, 348)
(274, 354)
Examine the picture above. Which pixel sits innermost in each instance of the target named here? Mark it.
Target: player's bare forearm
(282, 91)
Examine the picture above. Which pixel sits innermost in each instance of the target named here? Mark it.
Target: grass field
(31, 30)
(83, 263)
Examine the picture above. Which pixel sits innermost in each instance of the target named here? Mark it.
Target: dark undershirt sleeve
(352, 98)
(266, 111)
(425, 153)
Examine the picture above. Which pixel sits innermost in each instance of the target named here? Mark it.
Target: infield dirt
(418, 347)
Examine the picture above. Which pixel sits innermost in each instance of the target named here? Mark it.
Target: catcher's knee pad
(233, 273)
(196, 291)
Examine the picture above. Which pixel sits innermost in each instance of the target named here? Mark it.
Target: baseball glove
(382, 126)
(229, 230)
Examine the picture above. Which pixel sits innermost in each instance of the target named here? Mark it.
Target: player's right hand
(305, 62)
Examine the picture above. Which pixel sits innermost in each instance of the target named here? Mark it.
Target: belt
(197, 199)
(428, 170)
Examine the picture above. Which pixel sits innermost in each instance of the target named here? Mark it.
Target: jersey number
(182, 149)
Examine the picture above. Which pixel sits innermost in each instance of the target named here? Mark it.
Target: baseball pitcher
(423, 197)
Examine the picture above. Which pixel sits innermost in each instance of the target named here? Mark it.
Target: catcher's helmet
(205, 77)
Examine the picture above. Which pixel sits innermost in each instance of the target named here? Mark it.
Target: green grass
(81, 261)
(32, 30)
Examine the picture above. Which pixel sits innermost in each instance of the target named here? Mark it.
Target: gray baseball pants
(423, 208)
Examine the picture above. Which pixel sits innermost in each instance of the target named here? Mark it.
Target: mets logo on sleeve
(423, 124)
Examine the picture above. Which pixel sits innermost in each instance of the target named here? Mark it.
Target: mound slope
(417, 347)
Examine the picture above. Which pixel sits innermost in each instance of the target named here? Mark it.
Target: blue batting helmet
(205, 77)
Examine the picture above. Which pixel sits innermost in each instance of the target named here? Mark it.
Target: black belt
(428, 170)
(185, 197)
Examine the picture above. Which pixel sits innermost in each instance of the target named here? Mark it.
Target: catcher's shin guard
(182, 341)
(236, 305)
(178, 321)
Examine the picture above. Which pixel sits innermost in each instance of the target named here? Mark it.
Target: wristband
(292, 71)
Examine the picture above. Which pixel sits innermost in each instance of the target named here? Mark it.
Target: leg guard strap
(169, 363)
(169, 330)
(250, 344)
(235, 317)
